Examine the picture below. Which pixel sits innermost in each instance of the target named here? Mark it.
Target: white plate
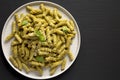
(7, 30)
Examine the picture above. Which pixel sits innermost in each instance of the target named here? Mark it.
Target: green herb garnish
(40, 35)
(40, 58)
(65, 29)
(24, 22)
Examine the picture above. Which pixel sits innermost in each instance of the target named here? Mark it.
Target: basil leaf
(65, 29)
(40, 59)
(24, 22)
(40, 36)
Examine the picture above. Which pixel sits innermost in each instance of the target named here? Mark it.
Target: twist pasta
(19, 64)
(42, 39)
(13, 61)
(52, 70)
(63, 64)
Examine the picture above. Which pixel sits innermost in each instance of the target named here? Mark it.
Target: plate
(75, 46)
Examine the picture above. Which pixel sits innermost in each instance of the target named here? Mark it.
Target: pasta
(41, 39)
(13, 61)
(55, 64)
(18, 38)
(40, 70)
(52, 71)
(14, 50)
(19, 64)
(25, 68)
(13, 27)
(10, 36)
(71, 57)
(63, 64)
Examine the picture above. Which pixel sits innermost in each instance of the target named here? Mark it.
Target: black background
(99, 55)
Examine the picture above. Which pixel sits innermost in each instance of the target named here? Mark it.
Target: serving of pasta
(40, 39)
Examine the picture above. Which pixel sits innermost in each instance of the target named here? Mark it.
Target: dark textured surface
(99, 55)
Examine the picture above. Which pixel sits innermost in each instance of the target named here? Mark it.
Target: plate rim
(51, 3)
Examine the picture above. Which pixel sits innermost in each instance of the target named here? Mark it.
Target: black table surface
(99, 55)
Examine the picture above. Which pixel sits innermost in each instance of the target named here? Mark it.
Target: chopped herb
(40, 35)
(65, 29)
(24, 22)
(40, 59)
